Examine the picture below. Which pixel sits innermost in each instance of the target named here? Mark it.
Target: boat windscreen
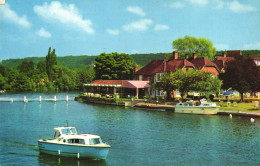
(95, 141)
(65, 131)
(69, 131)
(73, 131)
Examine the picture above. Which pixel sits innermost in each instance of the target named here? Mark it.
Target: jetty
(40, 99)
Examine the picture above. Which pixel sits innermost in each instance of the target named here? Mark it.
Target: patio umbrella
(228, 93)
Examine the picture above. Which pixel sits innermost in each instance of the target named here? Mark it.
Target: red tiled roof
(225, 58)
(199, 63)
(153, 67)
(256, 58)
(176, 64)
(157, 66)
(221, 61)
(234, 53)
(219, 64)
(108, 82)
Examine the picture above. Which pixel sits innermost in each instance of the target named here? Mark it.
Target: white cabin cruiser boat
(67, 142)
(192, 107)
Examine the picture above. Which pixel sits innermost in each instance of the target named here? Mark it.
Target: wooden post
(136, 93)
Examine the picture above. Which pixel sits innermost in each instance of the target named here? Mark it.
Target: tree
(85, 76)
(24, 83)
(26, 67)
(11, 75)
(241, 75)
(188, 45)
(50, 62)
(191, 81)
(2, 70)
(41, 66)
(114, 66)
(2, 81)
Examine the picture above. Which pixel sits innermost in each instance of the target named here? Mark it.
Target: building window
(158, 77)
(140, 77)
(148, 78)
(160, 92)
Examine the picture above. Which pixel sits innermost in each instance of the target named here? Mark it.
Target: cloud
(177, 5)
(113, 32)
(221, 47)
(136, 10)
(199, 2)
(237, 7)
(43, 33)
(141, 25)
(65, 14)
(6, 13)
(161, 27)
(219, 4)
(251, 46)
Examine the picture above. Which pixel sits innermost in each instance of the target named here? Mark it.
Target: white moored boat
(193, 107)
(67, 142)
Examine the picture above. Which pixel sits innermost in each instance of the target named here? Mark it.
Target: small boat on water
(68, 143)
(2, 91)
(195, 107)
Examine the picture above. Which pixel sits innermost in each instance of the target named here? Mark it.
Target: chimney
(224, 55)
(164, 63)
(166, 58)
(175, 54)
(186, 56)
(194, 56)
(136, 67)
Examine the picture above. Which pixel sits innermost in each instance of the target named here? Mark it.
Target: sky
(90, 27)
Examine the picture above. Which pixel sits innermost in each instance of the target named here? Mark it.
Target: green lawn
(245, 107)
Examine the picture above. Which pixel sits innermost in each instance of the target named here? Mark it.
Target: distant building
(204, 64)
(155, 69)
(221, 60)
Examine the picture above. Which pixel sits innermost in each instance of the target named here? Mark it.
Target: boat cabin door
(56, 134)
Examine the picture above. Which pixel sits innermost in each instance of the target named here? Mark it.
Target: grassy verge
(245, 107)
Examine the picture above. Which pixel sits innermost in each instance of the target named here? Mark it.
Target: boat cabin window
(95, 141)
(188, 104)
(76, 141)
(69, 131)
(73, 130)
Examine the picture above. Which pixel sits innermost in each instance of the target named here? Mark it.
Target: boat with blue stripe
(68, 143)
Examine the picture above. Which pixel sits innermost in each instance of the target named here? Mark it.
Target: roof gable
(199, 63)
(176, 64)
(154, 66)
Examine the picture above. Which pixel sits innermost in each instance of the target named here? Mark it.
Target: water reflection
(45, 159)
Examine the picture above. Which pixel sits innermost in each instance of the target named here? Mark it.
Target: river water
(137, 137)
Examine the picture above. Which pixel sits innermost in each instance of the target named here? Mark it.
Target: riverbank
(227, 108)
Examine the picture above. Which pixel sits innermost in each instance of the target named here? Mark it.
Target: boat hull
(197, 110)
(68, 150)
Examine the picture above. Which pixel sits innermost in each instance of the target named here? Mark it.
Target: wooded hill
(82, 60)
